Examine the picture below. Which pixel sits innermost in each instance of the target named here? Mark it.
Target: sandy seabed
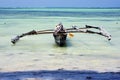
(22, 66)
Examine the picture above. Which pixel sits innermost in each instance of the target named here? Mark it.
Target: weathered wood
(74, 29)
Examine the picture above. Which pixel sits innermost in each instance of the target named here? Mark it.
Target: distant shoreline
(61, 7)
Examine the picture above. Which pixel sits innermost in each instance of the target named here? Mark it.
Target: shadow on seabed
(59, 74)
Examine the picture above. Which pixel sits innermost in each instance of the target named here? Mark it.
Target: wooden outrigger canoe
(60, 34)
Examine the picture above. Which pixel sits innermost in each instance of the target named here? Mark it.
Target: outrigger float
(60, 34)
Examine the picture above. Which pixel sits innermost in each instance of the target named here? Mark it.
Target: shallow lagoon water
(39, 52)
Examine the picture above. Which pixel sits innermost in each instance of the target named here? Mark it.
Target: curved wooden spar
(74, 29)
(101, 31)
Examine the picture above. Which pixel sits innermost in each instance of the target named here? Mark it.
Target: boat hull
(60, 39)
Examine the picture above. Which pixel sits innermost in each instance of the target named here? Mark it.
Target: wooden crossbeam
(74, 29)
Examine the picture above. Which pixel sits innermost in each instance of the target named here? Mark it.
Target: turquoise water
(80, 48)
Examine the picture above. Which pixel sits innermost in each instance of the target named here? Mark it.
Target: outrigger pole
(74, 29)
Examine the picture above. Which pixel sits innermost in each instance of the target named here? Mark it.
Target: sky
(59, 3)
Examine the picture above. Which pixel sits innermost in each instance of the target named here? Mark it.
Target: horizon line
(60, 7)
